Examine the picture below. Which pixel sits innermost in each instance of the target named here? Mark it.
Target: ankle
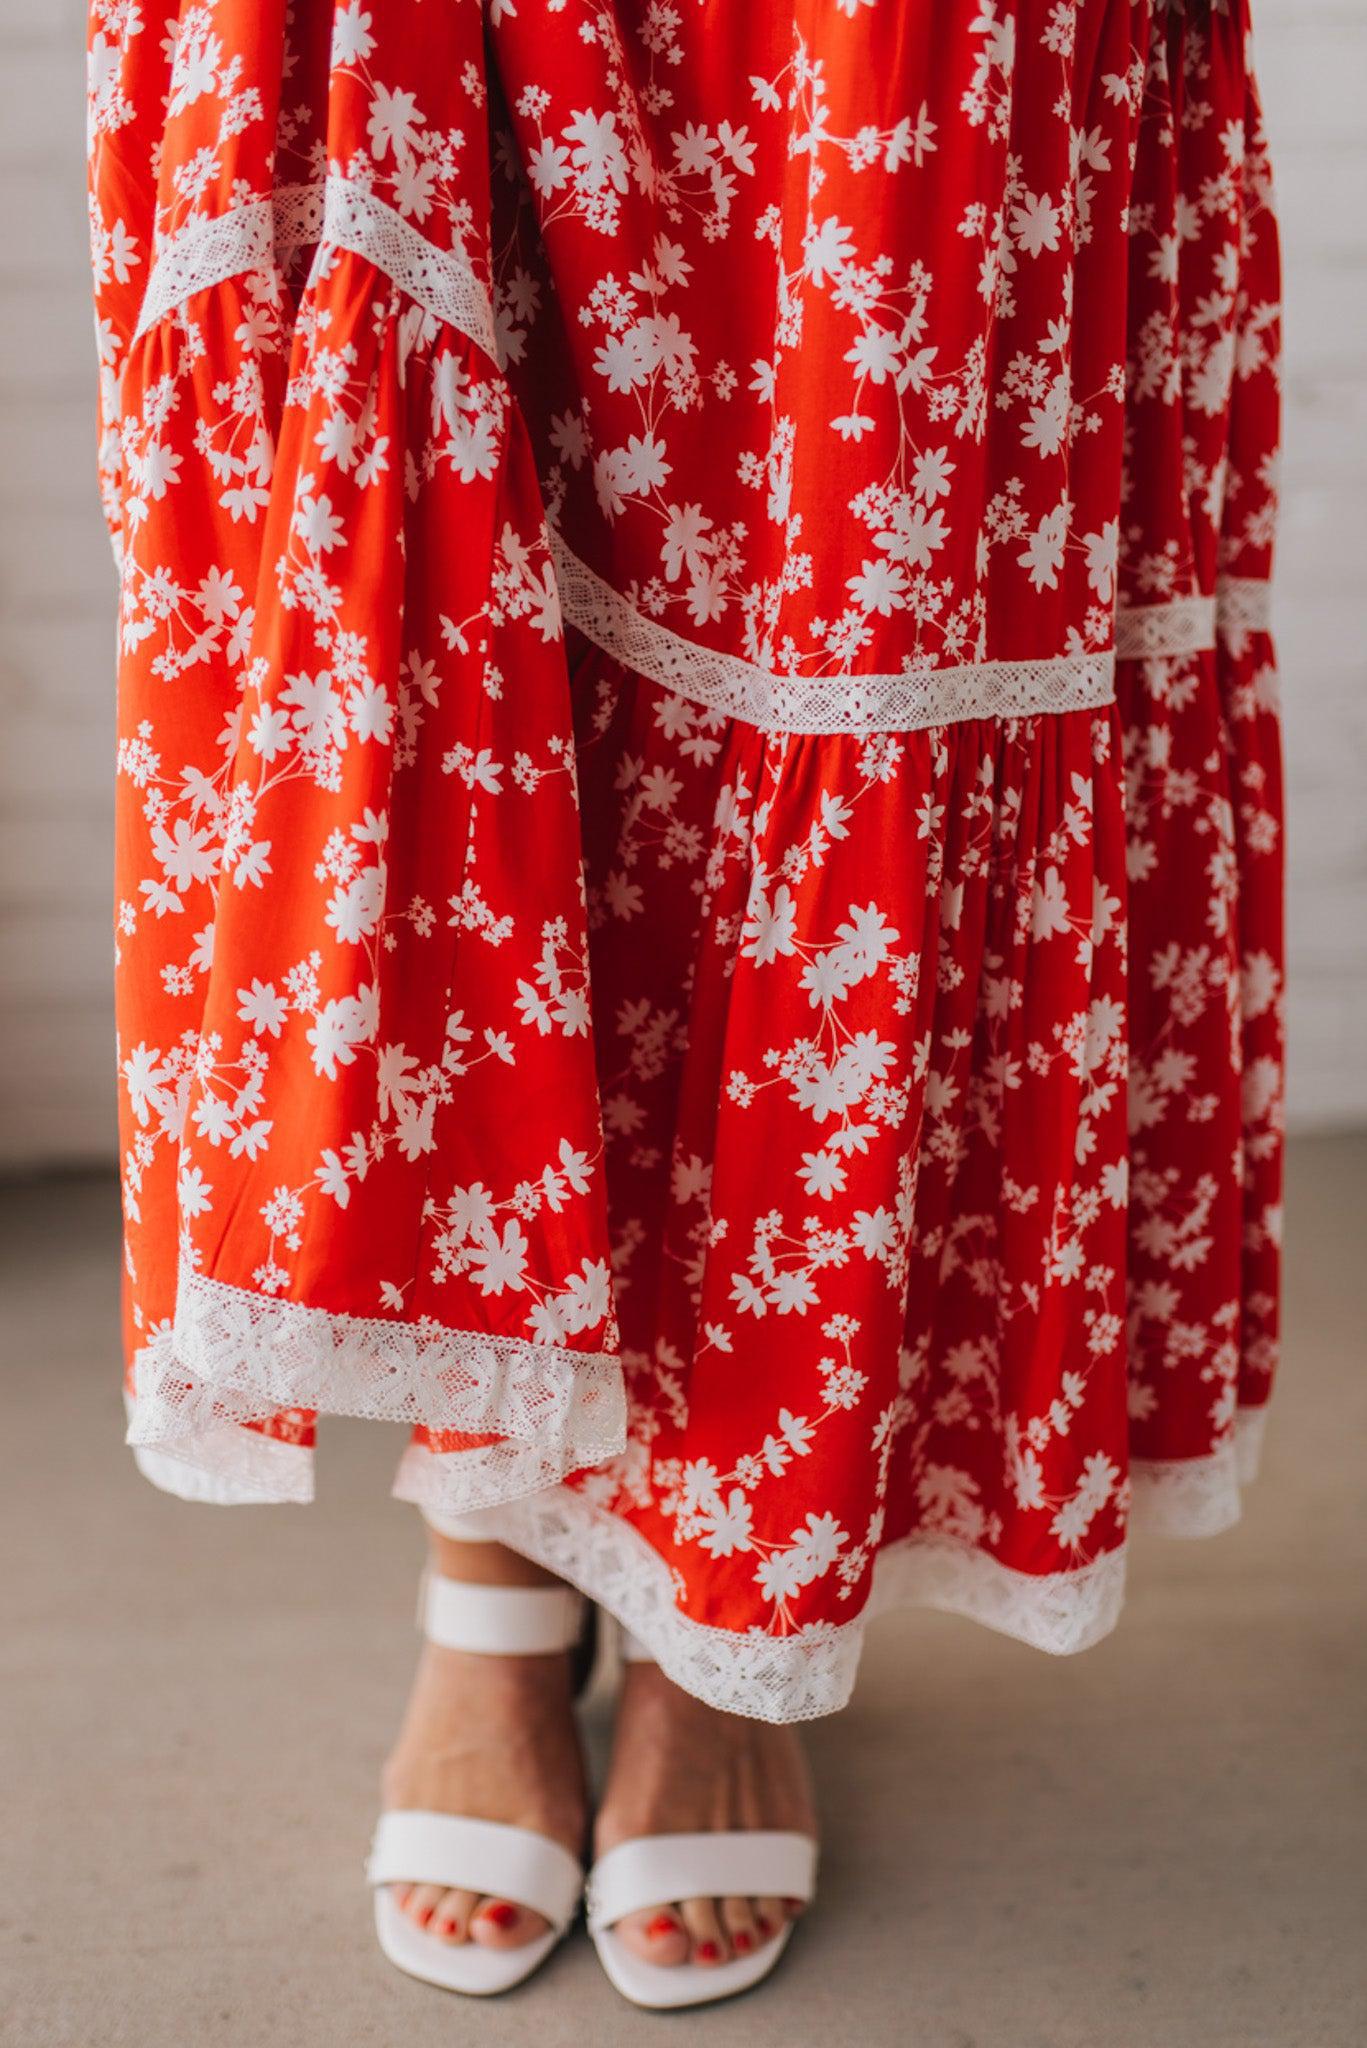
(652, 1694)
(484, 1564)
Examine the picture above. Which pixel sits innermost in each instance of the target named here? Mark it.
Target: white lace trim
(1199, 1496)
(1189, 625)
(234, 1357)
(796, 1677)
(340, 212)
(1250, 1427)
(274, 1474)
(225, 1466)
(822, 704)
(1244, 605)
(344, 214)
(1186, 625)
(495, 1491)
(208, 249)
(442, 280)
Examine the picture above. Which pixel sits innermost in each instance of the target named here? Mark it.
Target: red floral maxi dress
(699, 839)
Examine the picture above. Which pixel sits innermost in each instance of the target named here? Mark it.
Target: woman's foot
(679, 1767)
(489, 1738)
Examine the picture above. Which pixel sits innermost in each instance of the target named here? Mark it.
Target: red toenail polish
(664, 1925)
(425, 1915)
(707, 1951)
(765, 1926)
(450, 1927)
(499, 1914)
(741, 1940)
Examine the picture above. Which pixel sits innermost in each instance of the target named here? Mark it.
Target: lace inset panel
(204, 252)
(1190, 625)
(263, 234)
(1244, 604)
(1186, 625)
(837, 703)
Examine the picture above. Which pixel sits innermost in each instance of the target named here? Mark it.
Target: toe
(708, 1936)
(742, 1929)
(656, 1936)
(451, 1920)
(502, 1923)
(770, 1916)
(422, 1902)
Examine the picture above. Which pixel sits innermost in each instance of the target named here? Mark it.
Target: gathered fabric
(699, 847)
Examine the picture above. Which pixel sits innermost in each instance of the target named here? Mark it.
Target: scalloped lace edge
(795, 1677)
(1198, 1496)
(224, 1466)
(773, 1678)
(233, 1357)
(812, 1672)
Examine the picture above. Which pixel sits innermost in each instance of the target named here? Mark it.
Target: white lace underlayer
(235, 1357)
(340, 212)
(1199, 1496)
(195, 1451)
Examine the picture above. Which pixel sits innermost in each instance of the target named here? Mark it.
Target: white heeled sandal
(658, 1870)
(414, 1847)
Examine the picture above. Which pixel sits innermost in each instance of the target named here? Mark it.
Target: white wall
(57, 593)
(56, 617)
(1312, 63)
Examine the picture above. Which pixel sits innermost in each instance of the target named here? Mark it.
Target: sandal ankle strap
(499, 1621)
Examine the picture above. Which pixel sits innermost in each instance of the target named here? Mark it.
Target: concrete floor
(1157, 1845)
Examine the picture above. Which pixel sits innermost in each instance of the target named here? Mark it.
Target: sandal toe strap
(478, 1856)
(652, 1870)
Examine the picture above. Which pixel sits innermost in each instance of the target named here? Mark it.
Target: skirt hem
(803, 1675)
